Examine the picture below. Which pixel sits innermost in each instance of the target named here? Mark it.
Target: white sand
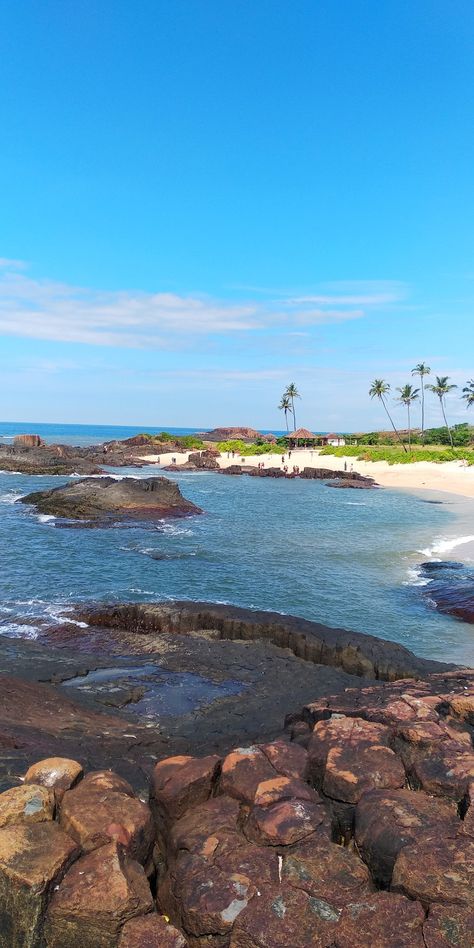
(451, 477)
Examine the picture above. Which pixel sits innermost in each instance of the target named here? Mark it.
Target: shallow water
(290, 546)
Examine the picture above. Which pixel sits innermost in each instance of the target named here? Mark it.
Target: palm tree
(468, 393)
(422, 369)
(292, 393)
(408, 394)
(285, 406)
(379, 389)
(441, 389)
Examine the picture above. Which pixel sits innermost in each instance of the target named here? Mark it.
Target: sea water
(345, 558)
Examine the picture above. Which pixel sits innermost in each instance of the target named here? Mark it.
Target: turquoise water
(344, 558)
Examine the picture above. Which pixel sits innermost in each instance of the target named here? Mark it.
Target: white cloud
(54, 311)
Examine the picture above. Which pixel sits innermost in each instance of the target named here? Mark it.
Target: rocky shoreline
(353, 828)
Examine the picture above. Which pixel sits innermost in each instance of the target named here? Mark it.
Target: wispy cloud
(43, 309)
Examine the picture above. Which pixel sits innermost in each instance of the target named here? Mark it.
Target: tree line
(408, 395)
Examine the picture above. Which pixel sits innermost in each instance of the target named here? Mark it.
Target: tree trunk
(293, 410)
(409, 428)
(392, 424)
(422, 410)
(286, 419)
(446, 423)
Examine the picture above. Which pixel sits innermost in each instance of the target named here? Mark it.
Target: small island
(105, 500)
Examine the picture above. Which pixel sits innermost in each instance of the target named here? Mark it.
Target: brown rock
(462, 706)
(446, 773)
(26, 804)
(352, 770)
(212, 898)
(449, 926)
(56, 773)
(327, 871)
(383, 920)
(224, 862)
(281, 917)
(287, 822)
(437, 869)
(181, 782)
(243, 770)
(388, 820)
(208, 820)
(102, 891)
(339, 731)
(290, 760)
(33, 859)
(108, 780)
(284, 788)
(27, 441)
(93, 816)
(150, 931)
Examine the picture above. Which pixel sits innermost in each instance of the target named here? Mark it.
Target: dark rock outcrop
(450, 587)
(106, 500)
(355, 652)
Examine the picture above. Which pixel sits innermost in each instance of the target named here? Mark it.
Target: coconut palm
(468, 393)
(380, 389)
(285, 405)
(292, 393)
(408, 394)
(441, 389)
(422, 369)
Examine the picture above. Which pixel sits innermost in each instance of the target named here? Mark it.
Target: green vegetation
(393, 454)
(250, 450)
(186, 441)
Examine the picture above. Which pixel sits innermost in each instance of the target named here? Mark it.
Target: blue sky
(203, 201)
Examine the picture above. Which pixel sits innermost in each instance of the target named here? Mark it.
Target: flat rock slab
(106, 500)
(437, 869)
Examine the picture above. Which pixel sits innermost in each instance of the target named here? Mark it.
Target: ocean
(344, 558)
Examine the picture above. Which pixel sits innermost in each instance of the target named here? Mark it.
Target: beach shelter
(302, 434)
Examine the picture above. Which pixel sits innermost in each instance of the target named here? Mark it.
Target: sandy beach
(452, 477)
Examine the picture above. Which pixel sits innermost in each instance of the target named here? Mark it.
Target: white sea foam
(415, 578)
(446, 545)
(46, 518)
(17, 630)
(10, 497)
(354, 503)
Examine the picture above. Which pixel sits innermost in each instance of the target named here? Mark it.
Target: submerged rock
(105, 500)
(450, 587)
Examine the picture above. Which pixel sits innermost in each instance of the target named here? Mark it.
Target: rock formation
(105, 500)
(354, 829)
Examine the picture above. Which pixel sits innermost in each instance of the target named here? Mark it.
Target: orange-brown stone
(33, 858)
(56, 773)
(29, 803)
(181, 782)
(327, 871)
(388, 820)
(243, 770)
(287, 822)
(93, 816)
(101, 891)
(437, 869)
(150, 931)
